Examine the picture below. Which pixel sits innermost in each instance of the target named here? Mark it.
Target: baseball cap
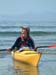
(25, 27)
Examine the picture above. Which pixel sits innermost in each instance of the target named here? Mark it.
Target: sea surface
(43, 34)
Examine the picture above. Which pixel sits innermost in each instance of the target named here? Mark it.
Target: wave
(32, 33)
(9, 26)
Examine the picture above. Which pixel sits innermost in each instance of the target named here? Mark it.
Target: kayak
(27, 56)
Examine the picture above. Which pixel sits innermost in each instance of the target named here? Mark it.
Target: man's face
(24, 33)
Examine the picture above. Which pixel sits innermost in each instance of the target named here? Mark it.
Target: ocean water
(43, 34)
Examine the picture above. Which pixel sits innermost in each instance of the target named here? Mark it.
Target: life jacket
(23, 42)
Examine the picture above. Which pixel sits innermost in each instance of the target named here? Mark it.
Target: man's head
(25, 31)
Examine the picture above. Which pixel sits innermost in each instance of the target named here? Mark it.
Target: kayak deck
(29, 57)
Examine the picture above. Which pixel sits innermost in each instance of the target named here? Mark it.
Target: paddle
(50, 46)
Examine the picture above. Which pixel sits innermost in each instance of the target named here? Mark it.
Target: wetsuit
(22, 42)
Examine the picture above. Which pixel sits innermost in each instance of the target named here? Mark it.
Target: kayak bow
(29, 57)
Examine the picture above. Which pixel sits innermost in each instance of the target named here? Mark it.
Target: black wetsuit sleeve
(15, 44)
(32, 45)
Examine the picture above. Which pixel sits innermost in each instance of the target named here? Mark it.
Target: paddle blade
(52, 46)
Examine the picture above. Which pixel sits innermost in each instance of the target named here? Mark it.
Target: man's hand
(9, 49)
(35, 49)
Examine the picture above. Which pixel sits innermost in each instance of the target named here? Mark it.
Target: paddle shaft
(3, 49)
(42, 47)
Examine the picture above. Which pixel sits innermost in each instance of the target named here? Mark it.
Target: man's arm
(32, 44)
(15, 44)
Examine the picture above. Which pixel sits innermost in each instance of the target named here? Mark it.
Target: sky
(27, 7)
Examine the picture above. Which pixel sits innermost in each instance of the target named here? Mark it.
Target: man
(24, 40)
